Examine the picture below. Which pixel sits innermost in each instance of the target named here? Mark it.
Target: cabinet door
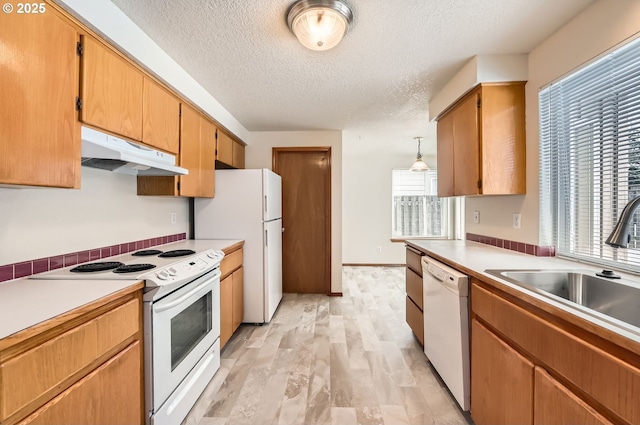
(190, 151)
(466, 156)
(224, 152)
(503, 139)
(207, 158)
(111, 394)
(501, 381)
(40, 135)
(415, 319)
(238, 298)
(555, 405)
(226, 309)
(238, 155)
(111, 91)
(445, 156)
(161, 118)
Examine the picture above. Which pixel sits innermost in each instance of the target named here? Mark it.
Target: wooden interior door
(306, 218)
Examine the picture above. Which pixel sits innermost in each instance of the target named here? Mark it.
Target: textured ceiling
(396, 55)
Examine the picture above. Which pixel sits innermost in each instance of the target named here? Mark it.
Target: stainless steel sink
(614, 298)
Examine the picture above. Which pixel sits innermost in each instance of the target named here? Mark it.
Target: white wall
(368, 159)
(599, 28)
(36, 223)
(258, 155)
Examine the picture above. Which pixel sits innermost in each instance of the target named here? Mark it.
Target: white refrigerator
(248, 205)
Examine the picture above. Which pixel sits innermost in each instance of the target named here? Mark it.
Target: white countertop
(26, 302)
(474, 258)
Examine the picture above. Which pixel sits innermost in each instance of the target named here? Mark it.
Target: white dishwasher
(446, 326)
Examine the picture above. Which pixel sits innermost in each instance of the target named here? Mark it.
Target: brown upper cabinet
(197, 154)
(112, 91)
(481, 142)
(40, 136)
(161, 118)
(229, 152)
(119, 98)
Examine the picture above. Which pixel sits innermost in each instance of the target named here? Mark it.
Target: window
(590, 158)
(416, 209)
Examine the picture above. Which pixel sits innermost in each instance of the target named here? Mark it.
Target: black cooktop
(97, 267)
(130, 268)
(177, 253)
(147, 252)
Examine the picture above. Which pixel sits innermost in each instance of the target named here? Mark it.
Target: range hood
(107, 152)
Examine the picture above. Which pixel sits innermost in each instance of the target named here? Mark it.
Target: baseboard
(335, 294)
(372, 265)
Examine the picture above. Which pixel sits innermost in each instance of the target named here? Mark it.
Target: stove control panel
(186, 269)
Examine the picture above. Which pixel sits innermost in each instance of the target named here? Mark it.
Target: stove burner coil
(96, 267)
(146, 252)
(130, 268)
(177, 253)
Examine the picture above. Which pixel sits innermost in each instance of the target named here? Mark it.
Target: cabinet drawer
(607, 379)
(39, 370)
(414, 287)
(415, 320)
(413, 260)
(230, 262)
(106, 396)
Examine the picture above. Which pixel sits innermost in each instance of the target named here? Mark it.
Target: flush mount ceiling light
(419, 165)
(319, 24)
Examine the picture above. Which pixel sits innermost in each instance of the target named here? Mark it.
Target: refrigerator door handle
(266, 238)
(265, 203)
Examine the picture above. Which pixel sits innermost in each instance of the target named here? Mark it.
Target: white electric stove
(181, 310)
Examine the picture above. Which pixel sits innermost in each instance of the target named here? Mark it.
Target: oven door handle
(177, 301)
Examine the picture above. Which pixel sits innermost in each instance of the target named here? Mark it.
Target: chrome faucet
(620, 237)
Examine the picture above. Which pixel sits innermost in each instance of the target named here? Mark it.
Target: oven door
(185, 324)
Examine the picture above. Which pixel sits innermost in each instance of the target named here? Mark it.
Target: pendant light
(419, 165)
(319, 24)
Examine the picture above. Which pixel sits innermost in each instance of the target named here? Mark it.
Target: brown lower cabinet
(81, 368)
(94, 398)
(502, 381)
(231, 294)
(532, 367)
(414, 313)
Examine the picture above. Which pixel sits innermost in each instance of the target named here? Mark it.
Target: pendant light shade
(419, 165)
(319, 24)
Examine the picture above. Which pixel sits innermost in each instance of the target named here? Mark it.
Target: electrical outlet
(174, 218)
(379, 249)
(517, 221)
(476, 217)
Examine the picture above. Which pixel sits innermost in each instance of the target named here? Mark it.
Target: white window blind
(416, 209)
(590, 158)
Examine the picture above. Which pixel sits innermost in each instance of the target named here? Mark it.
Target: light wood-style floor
(330, 360)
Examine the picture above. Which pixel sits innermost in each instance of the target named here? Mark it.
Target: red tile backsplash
(540, 251)
(6, 272)
(23, 269)
(70, 259)
(27, 268)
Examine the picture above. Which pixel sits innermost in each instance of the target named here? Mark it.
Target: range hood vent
(106, 152)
